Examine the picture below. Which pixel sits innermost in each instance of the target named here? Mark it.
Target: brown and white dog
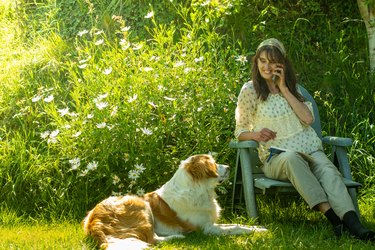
(186, 203)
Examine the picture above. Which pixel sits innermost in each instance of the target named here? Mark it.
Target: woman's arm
(302, 111)
(300, 108)
(246, 105)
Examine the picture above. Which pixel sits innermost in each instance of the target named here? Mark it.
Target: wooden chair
(249, 178)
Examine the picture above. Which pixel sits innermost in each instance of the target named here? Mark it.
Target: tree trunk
(367, 10)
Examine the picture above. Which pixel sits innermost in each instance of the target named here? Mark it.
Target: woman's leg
(291, 166)
(338, 196)
(331, 181)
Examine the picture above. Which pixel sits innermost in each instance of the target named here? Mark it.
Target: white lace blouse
(275, 114)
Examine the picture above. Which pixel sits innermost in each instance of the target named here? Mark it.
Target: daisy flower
(49, 98)
(140, 192)
(124, 29)
(139, 167)
(178, 64)
(200, 59)
(36, 98)
(75, 163)
(54, 133)
(101, 105)
(115, 179)
(147, 69)
(92, 166)
(99, 32)
(77, 134)
(99, 42)
(82, 66)
(63, 112)
(101, 125)
(146, 131)
(107, 71)
(138, 46)
(133, 174)
(242, 59)
(133, 98)
(83, 32)
(45, 134)
(150, 14)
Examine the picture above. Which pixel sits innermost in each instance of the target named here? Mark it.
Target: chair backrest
(316, 124)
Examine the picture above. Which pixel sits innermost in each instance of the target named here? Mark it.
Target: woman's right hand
(264, 135)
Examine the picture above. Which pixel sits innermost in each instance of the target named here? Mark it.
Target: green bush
(107, 97)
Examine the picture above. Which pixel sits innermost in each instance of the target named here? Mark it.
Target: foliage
(106, 97)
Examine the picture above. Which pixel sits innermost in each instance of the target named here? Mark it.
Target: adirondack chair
(249, 179)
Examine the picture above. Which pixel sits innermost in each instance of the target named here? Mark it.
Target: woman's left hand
(280, 79)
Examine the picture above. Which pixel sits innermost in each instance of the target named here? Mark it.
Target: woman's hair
(274, 55)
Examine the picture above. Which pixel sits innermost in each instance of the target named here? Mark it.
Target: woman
(272, 111)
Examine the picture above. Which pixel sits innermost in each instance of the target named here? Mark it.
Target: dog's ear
(201, 167)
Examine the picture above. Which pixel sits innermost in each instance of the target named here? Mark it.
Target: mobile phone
(274, 77)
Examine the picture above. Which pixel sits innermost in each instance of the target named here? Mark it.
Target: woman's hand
(265, 135)
(279, 76)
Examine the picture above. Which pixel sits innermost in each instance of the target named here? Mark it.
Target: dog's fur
(186, 203)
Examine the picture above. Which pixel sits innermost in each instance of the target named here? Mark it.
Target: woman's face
(265, 66)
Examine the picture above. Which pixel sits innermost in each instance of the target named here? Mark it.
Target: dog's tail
(128, 243)
(90, 228)
(86, 223)
(109, 242)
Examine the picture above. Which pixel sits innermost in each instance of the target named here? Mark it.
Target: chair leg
(236, 186)
(340, 158)
(248, 183)
(353, 195)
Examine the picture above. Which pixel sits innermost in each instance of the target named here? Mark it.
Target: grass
(291, 226)
(62, 235)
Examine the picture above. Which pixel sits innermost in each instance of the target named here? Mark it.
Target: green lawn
(291, 226)
(65, 235)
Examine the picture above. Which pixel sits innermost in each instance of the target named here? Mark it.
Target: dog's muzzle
(223, 171)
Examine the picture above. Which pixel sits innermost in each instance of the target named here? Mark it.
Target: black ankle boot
(338, 230)
(356, 228)
(338, 226)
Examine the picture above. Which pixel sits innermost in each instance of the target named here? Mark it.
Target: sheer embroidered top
(274, 113)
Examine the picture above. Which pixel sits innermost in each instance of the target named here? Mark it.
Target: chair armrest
(337, 141)
(243, 144)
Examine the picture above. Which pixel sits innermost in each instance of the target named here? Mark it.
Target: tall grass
(107, 97)
(112, 113)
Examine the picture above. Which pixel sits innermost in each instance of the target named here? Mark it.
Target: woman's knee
(291, 159)
(284, 165)
(327, 173)
(293, 164)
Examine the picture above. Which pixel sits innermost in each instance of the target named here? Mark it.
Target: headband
(274, 43)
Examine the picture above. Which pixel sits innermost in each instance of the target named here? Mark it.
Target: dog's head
(203, 166)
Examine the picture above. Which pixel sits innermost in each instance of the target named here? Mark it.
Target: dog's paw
(169, 237)
(129, 243)
(258, 229)
(233, 229)
(177, 236)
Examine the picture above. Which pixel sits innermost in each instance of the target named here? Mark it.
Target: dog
(186, 203)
